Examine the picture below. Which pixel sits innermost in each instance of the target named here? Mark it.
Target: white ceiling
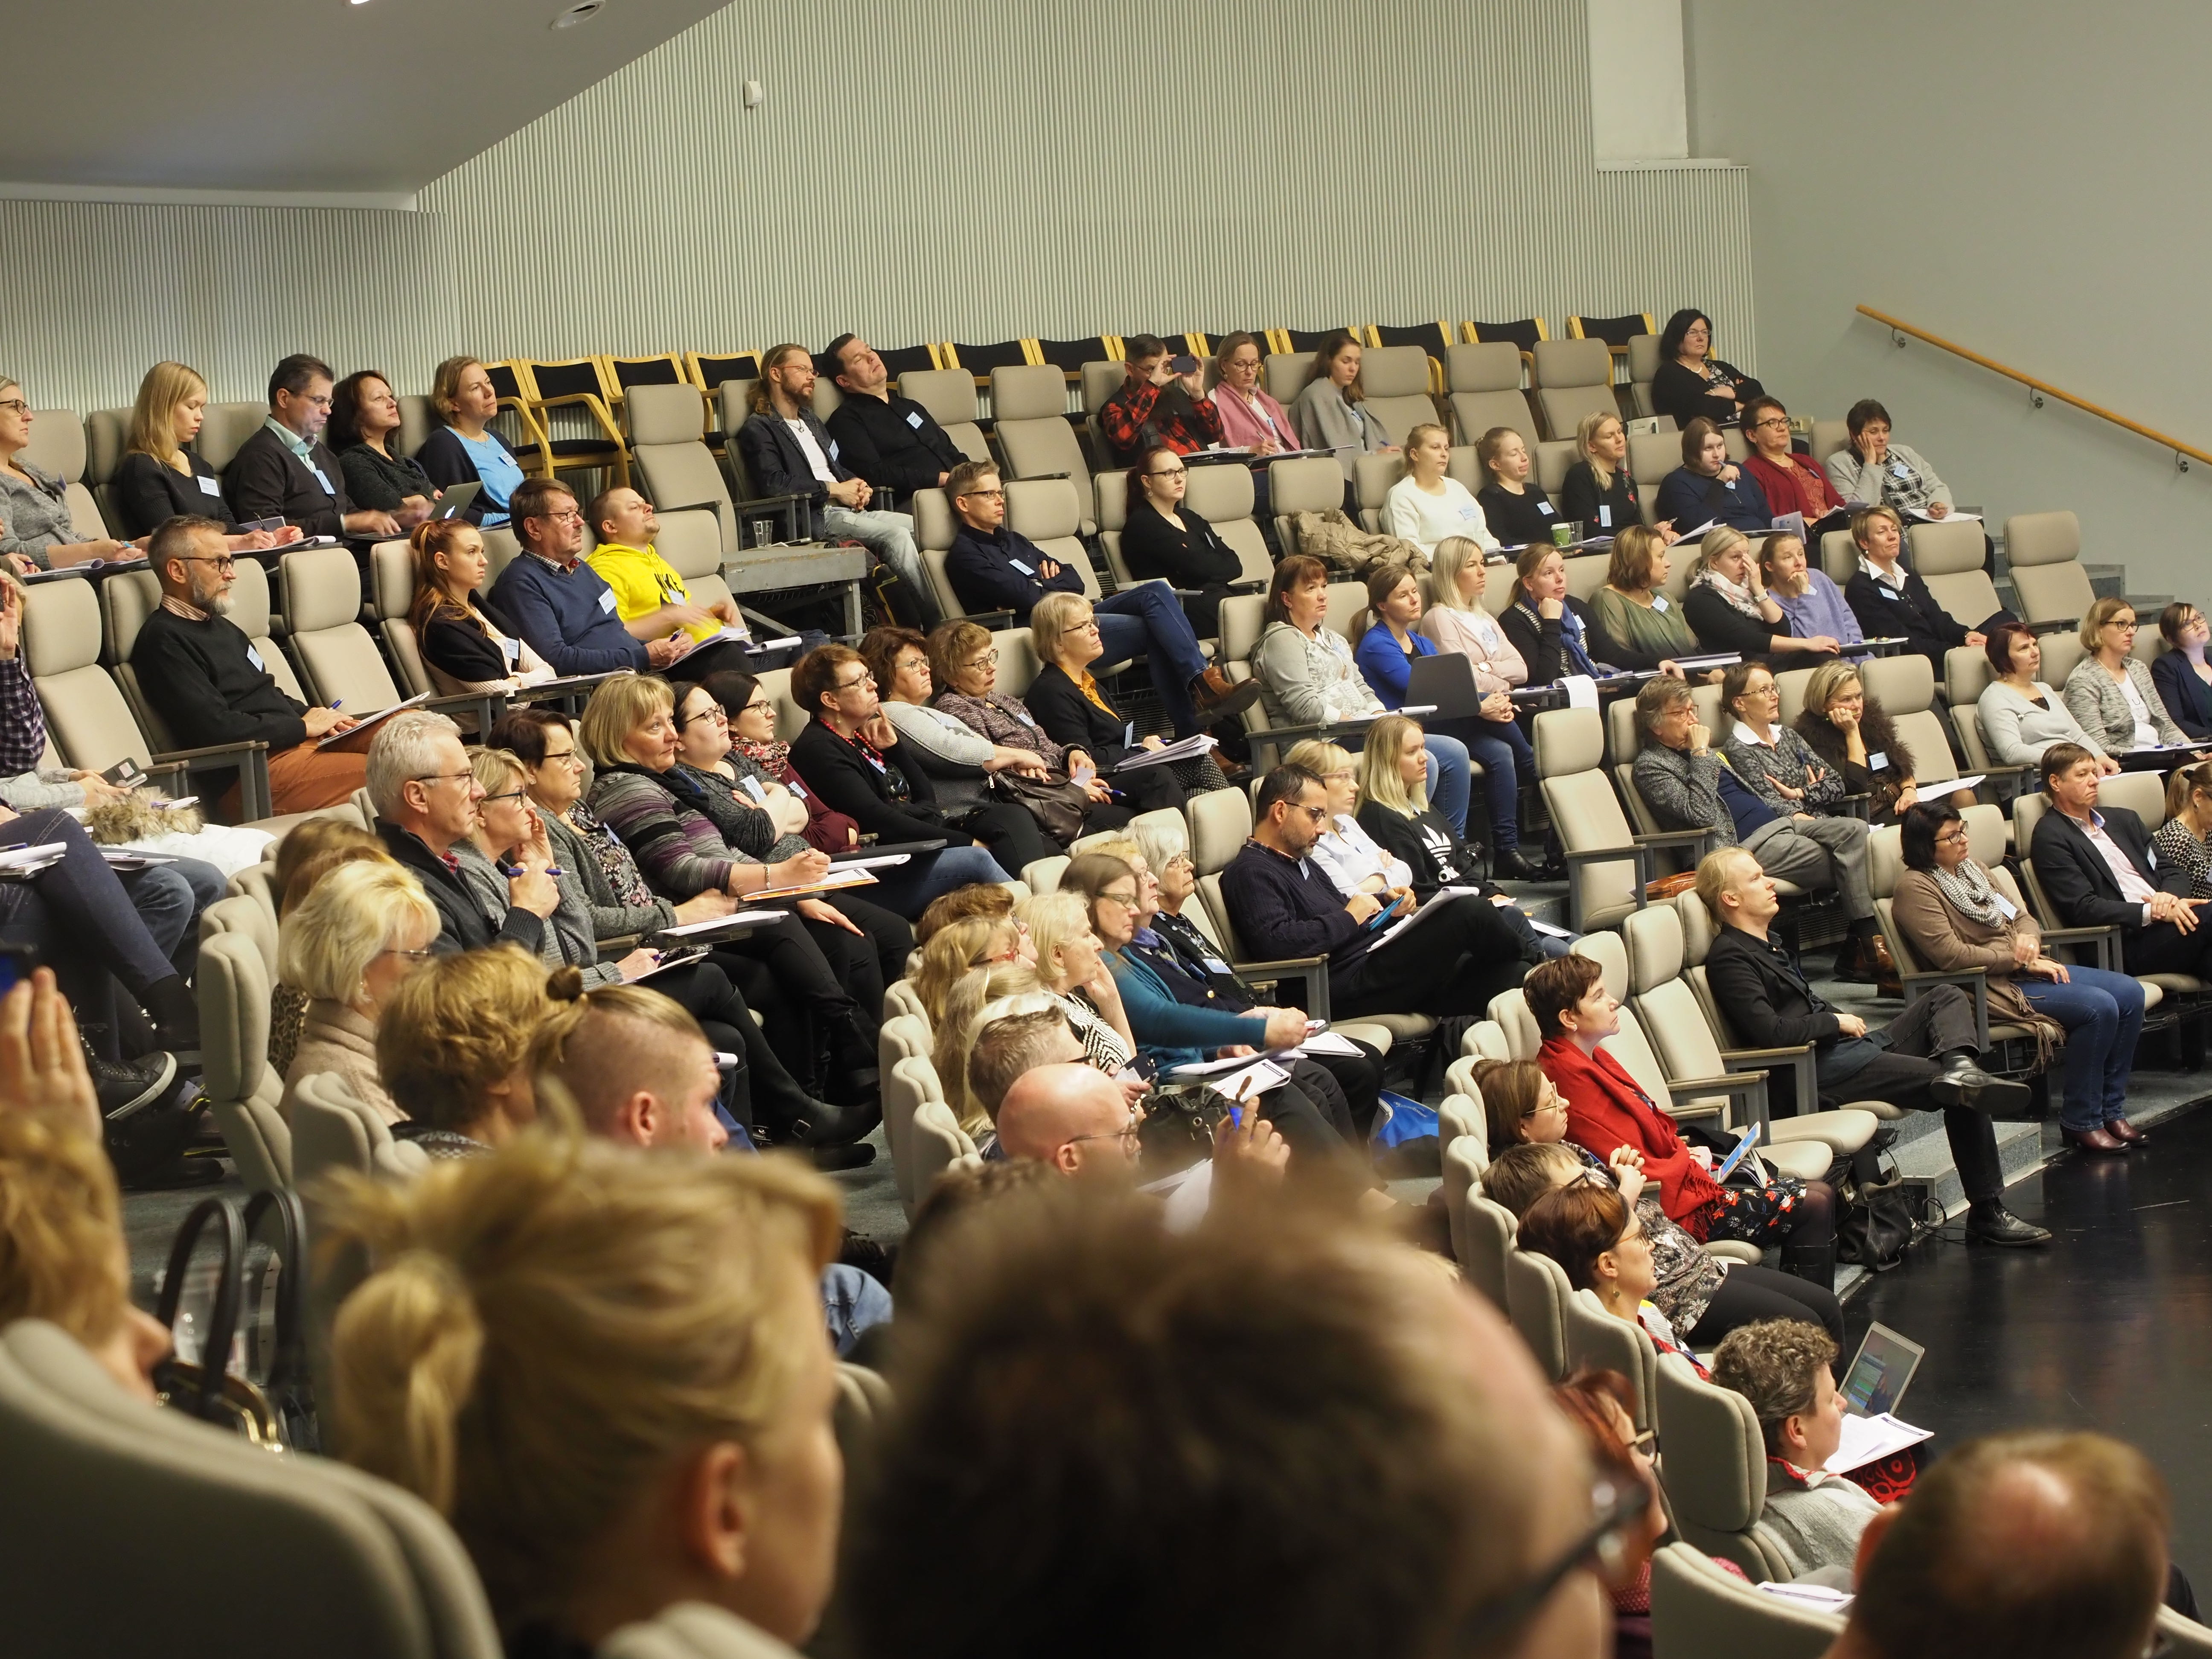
(296, 96)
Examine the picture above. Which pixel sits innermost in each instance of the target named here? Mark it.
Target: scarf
(1737, 597)
(1571, 633)
(1968, 891)
(772, 755)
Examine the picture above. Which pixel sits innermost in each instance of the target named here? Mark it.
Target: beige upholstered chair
(1642, 370)
(1285, 375)
(337, 656)
(1829, 438)
(1700, 1612)
(1485, 389)
(1948, 554)
(1029, 409)
(1536, 1294)
(242, 1091)
(1481, 1230)
(935, 525)
(1304, 483)
(1050, 513)
(1572, 379)
(948, 395)
(1222, 495)
(935, 1143)
(2043, 550)
(106, 432)
(1596, 1338)
(667, 430)
(1396, 382)
(332, 1131)
(58, 444)
(911, 1080)
(1716, 1470)
(102, 1488)
(1607, 863)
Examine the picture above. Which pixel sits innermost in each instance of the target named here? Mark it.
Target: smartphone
(1183, 365)
(16, 961)
(124, 774)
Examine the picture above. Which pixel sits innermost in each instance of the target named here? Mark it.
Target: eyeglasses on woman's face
(510, 794)
(712, 711)
(1127, 900)
(1954, 836)
(988, 659)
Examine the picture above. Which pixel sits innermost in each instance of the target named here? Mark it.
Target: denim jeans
(1451, 778)
(1147, 621)
(907, 888)
(2103, 1014)
(889, 537)
(1506, 761)
(169, 898)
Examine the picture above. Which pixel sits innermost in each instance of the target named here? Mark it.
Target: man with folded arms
(651, 599)
(285, 471)
(562, 605)
(891, 442)
(198, 667)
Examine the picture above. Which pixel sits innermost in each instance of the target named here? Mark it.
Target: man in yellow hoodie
(650, 598)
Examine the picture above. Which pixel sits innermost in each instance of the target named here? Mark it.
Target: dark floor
(2109, 1328)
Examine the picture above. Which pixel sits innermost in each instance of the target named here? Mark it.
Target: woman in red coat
(1793, 483)
(1607, 1109)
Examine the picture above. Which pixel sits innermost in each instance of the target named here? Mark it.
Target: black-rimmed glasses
(1617, 1501)
(712, 711)
(223, 563)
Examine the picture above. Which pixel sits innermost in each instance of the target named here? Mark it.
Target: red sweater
(1607, 1109)
(1801, 487)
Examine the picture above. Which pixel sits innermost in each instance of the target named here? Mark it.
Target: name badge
(1887, 592)
(1020, 566)
(797, 788)
(512, 650)
(1659, 602)
(1026, 717)
(1216, 965)
(1878, 761)
(877, 764)
(254, 657)
(323, 481)
(1469, 512)
(607, 601)
(1544, 508)
(914, 419)
(1129, 735)
(2006, 908)
(208, 486)
(753, 788)
(1605, 517)
(1898, 470)
(2151, 853)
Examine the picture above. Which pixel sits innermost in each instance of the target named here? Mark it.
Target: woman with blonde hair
(451, 1044)
(1071, 965)
(1457, 620)
(2110, 692)
(1426, 506)
(1074, 711)
(348, 944)
(1554, 632)
(1347, 854)
(161, 475)
(2182, 840)
(960, 1021)
(1641, 626)
(608, 1368)
(1729, 608)
(1512, 501)
(466, 645)
(464, 449)
(958, 948)
(309, 851)
(1597, 492)
(1845, 725)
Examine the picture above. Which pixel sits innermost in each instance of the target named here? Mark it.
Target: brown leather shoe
(1217, 697)
(2094, 1140)
(2120, 1129)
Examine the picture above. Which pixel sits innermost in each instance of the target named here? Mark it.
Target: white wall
(1638, 108)
(2021, 177)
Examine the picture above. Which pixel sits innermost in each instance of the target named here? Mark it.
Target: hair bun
(565, 984)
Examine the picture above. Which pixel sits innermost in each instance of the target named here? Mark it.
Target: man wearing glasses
(198, 668)
(558, 602)
(993, 568)
(1157, 405)
(285, 471)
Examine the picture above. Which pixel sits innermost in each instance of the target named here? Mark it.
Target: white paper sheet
(883, 861)
(1582, 690)
(1951, 786)
(738, 919)
(1866, 1439)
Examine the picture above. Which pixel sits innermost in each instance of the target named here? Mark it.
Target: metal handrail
(2183, 453)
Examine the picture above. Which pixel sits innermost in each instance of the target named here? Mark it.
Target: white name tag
(1026, 717)
(1020, 566)
(1605, 517)
(1898, 468)
(797, 788)
(208, 486)
(1659, 602)
(607, 601)
(1129, 735)
(914, 419)
(753, 788)
(323, 481)
(1878, 761)
(254, 657)
(1469, 512)
(2006, 908)
(1216, 965)
(512, 650)
(1887, 592)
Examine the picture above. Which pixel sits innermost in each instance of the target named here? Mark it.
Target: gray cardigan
(1305, 680)
(1816, 1525)
(1326, 421)
(2016, 732)
(34, 516)
(1683, 791)
(582, 878)
(1855, 481)
(947, 749)
(566, 939)
(2095, 699)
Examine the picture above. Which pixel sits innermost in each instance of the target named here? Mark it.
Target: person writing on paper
(1597, 491)
(1691, 384)
(162, 474)
(1786, 1368)
(1157, 405)
(1929, 1059)
(36, 530)
(1846, 726)
(1516, 507)
(1072, 708)
(1703, 1296)
(1250, 418)
(2096, 864)
(1708, 488)
(559, 605)
(1493, 741)
(2111, 693)
(1814, 606)
(2020, 716)
(1309, 676)
(364, 425)
(466, 448)
(1426, 506)
(1874, 472)
(1163, 536)
(466, 645)
(1792, 483)
(1457, 620)
(964, 661)
(1956, 919)
(2181, 674)
(1286, 906)
(650, 598)
(195, 665)
(1330, 412)
(1643, 627)
(1729, 608)
(1889, 598)
(285, 471)
(1553, 631)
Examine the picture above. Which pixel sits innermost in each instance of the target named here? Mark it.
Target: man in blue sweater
(559, 604)
(1284, 906)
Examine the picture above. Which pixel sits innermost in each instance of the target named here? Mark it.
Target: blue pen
(340, 703)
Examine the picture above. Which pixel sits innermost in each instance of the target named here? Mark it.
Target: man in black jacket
(286, 470)
(1283, 906)
(891, 442)
(425, 797)
(2100, 871)
(1926, 1059)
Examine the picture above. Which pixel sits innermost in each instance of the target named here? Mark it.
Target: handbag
(267, 1398)
(1059, 809)
(1880, 1221)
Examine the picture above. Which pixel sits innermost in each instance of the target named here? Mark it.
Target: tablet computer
(1446, 681)
(1879, 1373)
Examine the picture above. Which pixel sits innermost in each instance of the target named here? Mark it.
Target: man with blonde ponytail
(607, 1369)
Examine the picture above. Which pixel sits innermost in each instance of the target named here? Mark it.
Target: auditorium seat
(1523, 335)
(1615, 331)
(1595, 1340)
(1485, 382)
(948, 395)
(105, 1490)
(57, 445)
(332, 1131)
(620, 374)
(934, 527)
(338, 659)
(1571, 378)
(1372, 476)
(1050, 512)
(937, 1142)
(391, 594)
(1481, 1229)
(676, 471)
(2043, 550)
(909, 1080)
(1905, 686)
(707, 369)
(1433, 339)
(1643, 369)
(1109, 505)
(1552, 459)
(567, 399)
(1716, 1470)
(1536, 1294)
(1651, 457)
(1829, 439)
(1097, 383)
(1700, 1611)
(1396, 379)
(1306, 483)
(234, 989)
(1607, 863)
(106, 432)
(1948, 555)
(979, 361)
(1220, 823)
(1222, 495)
(224, 428)
(1286, 373)
(1029, 409)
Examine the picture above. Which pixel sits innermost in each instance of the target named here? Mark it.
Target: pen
(340, 703)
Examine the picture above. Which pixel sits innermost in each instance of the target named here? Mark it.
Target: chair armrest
(486, 706)
(1247, 587)
(1637, 853)
(1857, 806)
(593, 404)
(789, 506)
(1920, 981)
(1311, 971)
(1885, 647)
(2105, 939)
(1316, 729)
(2055, 625)
(1804, 1067)
(1749, 1087)
(251, 759)
(1673, 838)
(992, 620)
(534, 435)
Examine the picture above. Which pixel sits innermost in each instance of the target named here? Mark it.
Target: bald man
(1073, 1117)
(2028, 1546)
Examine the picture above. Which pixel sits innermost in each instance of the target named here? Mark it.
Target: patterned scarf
(1737, 597)
(1570, 635)
(773, 754)
(1969, 891)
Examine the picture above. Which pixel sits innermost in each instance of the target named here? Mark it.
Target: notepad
(716, 924)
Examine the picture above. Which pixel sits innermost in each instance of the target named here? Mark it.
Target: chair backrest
(1570, 747)
(58, 444)
(342, 1564)
(1536, 1294)
(2143, 794)
(2043, 550)
(337, 654)
(948, 395)
(1573, 377)
(1904, 685)
(332, 1130)
(909, 1082)
(1309, 483)
(1700, 1611)
(1051, 511)
(1596, 1338)
(1485, 382)
(86, 717)
(1223, 496)
(1396, 382)
(935, 525)
(1481, 1230)
(1666, 1006)
(1948, 555)
(1220, 822)
(224, 429)
(390, 593)
(667, 427)
(1029, 407)
(249, 913)
(242, 1092)
(1715, 1469)
(1643, 369)
(1286, 373)
(935, 1142)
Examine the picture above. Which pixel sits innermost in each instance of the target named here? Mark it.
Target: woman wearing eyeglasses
(36, 530)
(757, 755)
(1793, 483)
(2110, 692)
(963, 665)
(363, 928)
(1164, 538)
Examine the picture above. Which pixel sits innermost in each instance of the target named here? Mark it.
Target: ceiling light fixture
(574, 15)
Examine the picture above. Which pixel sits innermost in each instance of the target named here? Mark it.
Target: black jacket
(1769, 1004)
(779, 466)
(1517, 521)
(462, 924)
(1073, 721)
(1436, 857)
(1287, 907)
(897, 804)
(2081, 885)
(1682, 393)
(266, 480)
(144, 492)
(1580, 499)
(981, 567)
(1540, 644)
(893, 444)
(1720, 626)
(2186, 697)
(1193, 557)
(1884, 611)
(456, 647)
(383, 482)
(205, 679)
(445, 463)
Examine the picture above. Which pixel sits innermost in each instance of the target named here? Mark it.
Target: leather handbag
(1059, 808)
(264, 1392)
(1879, 1223)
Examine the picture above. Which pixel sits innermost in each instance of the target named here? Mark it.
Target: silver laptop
(1879, 1373)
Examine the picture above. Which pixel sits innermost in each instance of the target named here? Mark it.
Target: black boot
(846, 1063)
(1814, 1263)
(1988, 1222)
(176, 1016)
(1506, 864)
(786, 1115)
(1962, 1082)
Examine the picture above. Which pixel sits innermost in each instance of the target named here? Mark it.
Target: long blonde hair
(548, 1328)
(1380, 780)
(153, 417)
(956, 948)
(1052, 918)
(1453, 555)
(962, 1023)
(1585, 432)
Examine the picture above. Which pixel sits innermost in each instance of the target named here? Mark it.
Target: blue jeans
(907, 888)
(1449, 779)
(169, 898)
(889, 537)
(1507, 762)
(2103, 1014)
(1147, 621)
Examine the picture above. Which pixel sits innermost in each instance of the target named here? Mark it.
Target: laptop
(456, 501)
(1879, 1373)
(1446, 681)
